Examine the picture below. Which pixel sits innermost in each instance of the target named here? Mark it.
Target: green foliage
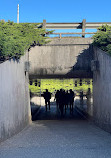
(16, 38)
(57, 84)
(102, 38)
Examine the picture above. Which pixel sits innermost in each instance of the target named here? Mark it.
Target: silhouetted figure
(67, 100)
(47, 97)
(57, 98)
(81, 97)
(72, 96)
(61, 101)
(88, 96)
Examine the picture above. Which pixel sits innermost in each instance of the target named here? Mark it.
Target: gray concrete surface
(102, 90)
(14, 97)
(58, 138)
(66, 57)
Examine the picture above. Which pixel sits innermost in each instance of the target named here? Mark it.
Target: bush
(16, 38)
(102, 38)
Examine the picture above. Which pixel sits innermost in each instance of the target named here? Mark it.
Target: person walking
(57, 99)
(72, 96)
(81, 98)
(67, 99)
(47, 97)
(61, 101)
(88, 96)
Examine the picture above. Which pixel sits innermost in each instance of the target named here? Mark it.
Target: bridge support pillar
(60, 35)
(44, 24)
(83, 27)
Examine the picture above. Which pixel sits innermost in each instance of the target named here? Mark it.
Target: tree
(102, 38)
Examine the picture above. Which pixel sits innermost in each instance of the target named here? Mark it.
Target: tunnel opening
(82, 105)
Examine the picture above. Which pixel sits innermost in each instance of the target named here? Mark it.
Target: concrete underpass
(63, 58)
(49, 135)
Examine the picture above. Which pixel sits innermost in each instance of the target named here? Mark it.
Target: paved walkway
(58, 139)
(63, 138)
(54, 113)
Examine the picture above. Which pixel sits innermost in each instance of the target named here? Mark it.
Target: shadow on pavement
(54, 113)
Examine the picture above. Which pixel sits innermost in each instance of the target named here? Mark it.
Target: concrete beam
(72, 33)
(62, 58)
(90, 25)
(63, 25)
(96, 25)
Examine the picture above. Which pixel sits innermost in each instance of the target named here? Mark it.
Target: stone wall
(102, 90)
(14, 97)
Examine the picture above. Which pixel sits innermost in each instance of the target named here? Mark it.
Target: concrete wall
(102, 90)
(65, 57)
(14, 98)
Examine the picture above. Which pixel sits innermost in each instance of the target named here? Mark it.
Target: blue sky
(56, 11)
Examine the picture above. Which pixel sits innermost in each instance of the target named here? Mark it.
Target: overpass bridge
(62, 58)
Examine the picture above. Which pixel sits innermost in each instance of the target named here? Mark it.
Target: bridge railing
(73, 33)
(76, 25)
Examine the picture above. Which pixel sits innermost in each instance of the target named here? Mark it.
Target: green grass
(56, 84)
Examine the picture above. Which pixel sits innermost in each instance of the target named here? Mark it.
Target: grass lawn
(57, 84)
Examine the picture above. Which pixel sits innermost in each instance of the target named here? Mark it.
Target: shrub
(102, 38)
(16, 38)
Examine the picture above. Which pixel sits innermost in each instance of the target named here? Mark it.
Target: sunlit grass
(57, 84)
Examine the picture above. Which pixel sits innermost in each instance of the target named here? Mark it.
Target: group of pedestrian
(64, 99)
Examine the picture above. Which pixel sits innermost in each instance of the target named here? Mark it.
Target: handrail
(72, 33)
